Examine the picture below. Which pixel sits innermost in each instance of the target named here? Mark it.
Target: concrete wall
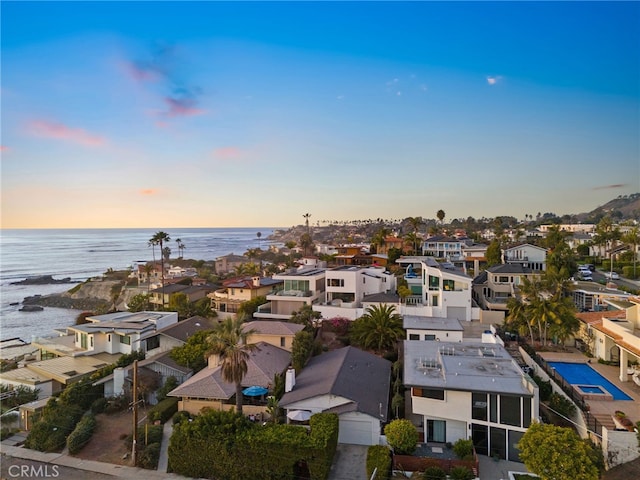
(619, 447)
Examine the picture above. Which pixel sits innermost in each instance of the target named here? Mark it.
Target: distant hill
(625, 207)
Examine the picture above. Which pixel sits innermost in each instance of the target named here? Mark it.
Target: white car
(612, 276)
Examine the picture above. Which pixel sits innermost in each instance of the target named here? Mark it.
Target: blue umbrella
(254, 391)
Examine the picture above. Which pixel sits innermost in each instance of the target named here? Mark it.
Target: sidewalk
(163, 460)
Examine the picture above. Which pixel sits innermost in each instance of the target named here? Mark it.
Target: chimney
(290, 379)
(256, 281)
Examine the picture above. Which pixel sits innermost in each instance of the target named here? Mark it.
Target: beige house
(235, 291)
(276, 333)
(228, 263)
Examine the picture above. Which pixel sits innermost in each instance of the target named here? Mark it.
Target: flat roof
(416, 322)
(463, 366)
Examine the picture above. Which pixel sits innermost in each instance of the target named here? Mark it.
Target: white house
(347, 286)
(469, 389)
(305, 286)
(441, 246)
(349, 382)
(435, 329)
(436, 291)
(527, 255)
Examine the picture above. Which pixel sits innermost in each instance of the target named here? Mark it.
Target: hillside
(623, 208)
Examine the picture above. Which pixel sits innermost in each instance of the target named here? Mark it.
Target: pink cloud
(148, 191)
(181, 107)
(4, 148)
(59, 131)
(140, 73)
(227, 153)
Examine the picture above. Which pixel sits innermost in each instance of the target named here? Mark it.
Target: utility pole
(134, 447)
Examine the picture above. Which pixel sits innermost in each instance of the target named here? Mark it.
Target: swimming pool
(582, 374)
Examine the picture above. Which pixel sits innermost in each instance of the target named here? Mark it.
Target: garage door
(355, 432)
(459, 313)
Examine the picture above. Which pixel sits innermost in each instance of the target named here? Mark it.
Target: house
(398, 243)
(347, 286)
(275, 332)
(207, 388)
(434, 329)
(114, 333)
(175, 335)
(226, 300)
(153, 276)
(161, 296)
(474, 258)
(228, 263)
(444, 247)
(469, 389)
(304, 286)
(594, 297)
(181, 272)
(436, 291)
(349, 382)
(527, 255)
(614, 335)
(493, 288)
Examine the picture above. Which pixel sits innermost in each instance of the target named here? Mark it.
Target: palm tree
(229, 342)
(379, 328)
(440, 214)
(159, 239)
(413, 239)
(180, 247)
(632, 238)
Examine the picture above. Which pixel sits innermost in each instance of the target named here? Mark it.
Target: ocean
(83, 253)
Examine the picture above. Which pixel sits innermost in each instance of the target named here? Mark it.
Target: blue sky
(212, 114)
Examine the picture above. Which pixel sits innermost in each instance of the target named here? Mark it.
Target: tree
(139, 303)
(301, 349)
(250, 307)
(494, 253)
(159, 239)
(306, 316)
(179, 302)
(414, 240)
(193, 353)
(632, 238)
(440, 214)
(557, 453)
(402, 436)
(181, 247)
(379, 328)
(229, 342)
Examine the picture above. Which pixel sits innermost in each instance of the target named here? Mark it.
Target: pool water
(590, 389)
(583, 374)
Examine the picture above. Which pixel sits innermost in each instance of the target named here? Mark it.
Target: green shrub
(433, 473)
(116, 404)
(463, 448)
(181, 416)
(169, 384)
(148, 456)
(379, 456)
(461, 473)
(81, 434)
(99, 405)
(544, 388)
(164, 410)
(402, 436)
(561, 404)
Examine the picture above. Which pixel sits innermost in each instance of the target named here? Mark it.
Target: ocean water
(83, 253)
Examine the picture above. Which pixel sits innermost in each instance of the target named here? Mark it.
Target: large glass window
(449, 285)
(479, 435)
(498, 438)
(335, 282)
(514, 451)
(153, 342)
(302, 285)
(479, 406)
(434, 283)
(526, 412)
(510, 412)
(126, 339)
(436, 431)
(493, 408)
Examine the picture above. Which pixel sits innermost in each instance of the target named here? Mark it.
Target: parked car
(612, 276)
(585, 275)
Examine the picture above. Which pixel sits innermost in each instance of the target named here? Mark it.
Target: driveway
(349, 463)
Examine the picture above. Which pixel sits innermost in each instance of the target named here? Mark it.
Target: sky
(224, 114)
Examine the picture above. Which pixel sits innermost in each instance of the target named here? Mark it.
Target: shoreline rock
(42, 280)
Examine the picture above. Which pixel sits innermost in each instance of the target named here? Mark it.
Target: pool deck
(603, 409)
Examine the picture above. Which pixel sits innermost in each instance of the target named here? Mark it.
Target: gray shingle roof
(273, 327)
(184, 329)
(347, 372)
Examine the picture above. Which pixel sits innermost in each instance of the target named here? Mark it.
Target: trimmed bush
(463, 448)
(99, 405)
(164, 410)
(81, 434)
(402, 436)
(181, 416)
(434, 473)
(379, 456)
(461, 473)
(149, 456)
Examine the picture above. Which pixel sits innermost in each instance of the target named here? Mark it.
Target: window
(126, 339)
(503, 279)
(435, 393)
(479, 406)
(429, 336)
(83, 340)
(335, 282)
(526, 412)
(434, 283)
(153, 342)
(282, 341)
(436, 431)
(434, 301)
(493, 408)
(449, 284)
(510, 410)
(109, 338)
(414, 336)
(91, 340)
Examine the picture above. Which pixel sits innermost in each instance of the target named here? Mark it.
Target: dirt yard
(108, 441)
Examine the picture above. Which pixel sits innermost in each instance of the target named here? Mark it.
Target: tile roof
(347, 372)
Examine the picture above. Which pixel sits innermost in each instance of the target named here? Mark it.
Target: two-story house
(444, 247)
(469, 390)
(226, 300)
(347, 286)
(305, 286)
(493, 288)
(228, 263)
(161, 296)
(436, 291)
(527, 255)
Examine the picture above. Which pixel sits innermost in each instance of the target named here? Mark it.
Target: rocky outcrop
(42, 280)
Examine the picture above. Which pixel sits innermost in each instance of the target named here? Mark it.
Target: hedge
(164, 410)
(218, 445)
(81, 434)
(379, 456)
